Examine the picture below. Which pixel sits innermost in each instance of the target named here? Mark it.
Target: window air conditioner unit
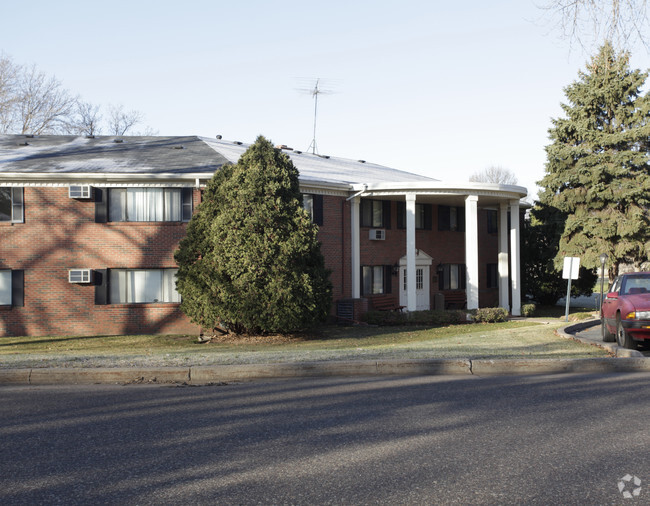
(79, 191)
(377, 234)
(79, 276)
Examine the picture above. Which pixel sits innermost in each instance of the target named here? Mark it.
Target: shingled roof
(64, 154)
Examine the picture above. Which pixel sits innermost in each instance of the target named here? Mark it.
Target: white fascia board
(98, 179)
(400, 188)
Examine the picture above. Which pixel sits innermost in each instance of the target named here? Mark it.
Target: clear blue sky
(439, 88)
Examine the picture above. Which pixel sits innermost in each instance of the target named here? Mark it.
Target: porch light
(395, 269)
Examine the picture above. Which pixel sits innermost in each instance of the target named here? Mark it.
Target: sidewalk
(625, 361)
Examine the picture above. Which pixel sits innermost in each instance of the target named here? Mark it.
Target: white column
(515, 246)
(411, 295)
(471, 250)
(504, 285)
(355, 248)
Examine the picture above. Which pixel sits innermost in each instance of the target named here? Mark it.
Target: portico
(503, 200)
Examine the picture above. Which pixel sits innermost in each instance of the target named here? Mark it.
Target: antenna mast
(314, 93)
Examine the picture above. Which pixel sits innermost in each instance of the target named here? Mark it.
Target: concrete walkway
(625, 361)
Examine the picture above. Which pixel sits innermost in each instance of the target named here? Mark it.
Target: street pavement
(536, 440)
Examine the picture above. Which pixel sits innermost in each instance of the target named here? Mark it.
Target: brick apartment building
(88, 227)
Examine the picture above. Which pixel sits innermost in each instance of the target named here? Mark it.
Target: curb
(569, 333)
(205, 375)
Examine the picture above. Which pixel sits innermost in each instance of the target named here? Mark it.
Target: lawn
(513, 339)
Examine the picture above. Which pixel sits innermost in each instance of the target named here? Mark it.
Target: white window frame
(373, 279)
(16, 196)
(143, 286)
(5, 287)
(142, 204)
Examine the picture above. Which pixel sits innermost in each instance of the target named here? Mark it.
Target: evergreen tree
(251, 260)
(597, 172)
(540, 242)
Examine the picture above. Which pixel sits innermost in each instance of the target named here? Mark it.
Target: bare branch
(87, 119)
(44, 105)
(120, 122)
(592, 22)
(494, 174)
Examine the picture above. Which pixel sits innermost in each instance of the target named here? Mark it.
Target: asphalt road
(593, 334)
(561, 439)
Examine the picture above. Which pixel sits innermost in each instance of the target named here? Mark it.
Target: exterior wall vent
(79, 276)
(377, 234)
(79, 191)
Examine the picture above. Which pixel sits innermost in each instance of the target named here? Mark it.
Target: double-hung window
(149, 204)
(375, 213)
(11, 287)
(143, 286)
(313, 204)
(11, 204)
(451, 218)
(5, 288)
(376, 279)
(423, 216)
(452, 277)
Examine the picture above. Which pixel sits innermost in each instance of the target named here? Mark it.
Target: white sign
(571, 268)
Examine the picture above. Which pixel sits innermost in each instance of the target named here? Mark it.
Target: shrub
(490, 315)
(528, 309)
(251, 260)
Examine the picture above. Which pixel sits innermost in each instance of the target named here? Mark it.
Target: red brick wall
(446, 247)
(59, 234)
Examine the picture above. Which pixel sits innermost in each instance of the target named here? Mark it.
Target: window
(376, 279)
(5, 288)
(11, 205)
(11, 287)
(375, 213)
(419, 279)
(313, 204)
(492, 276)
(149, 204)
(423, 216)
(452, 277)
(451, 218)
(492, 222)
(143, 285)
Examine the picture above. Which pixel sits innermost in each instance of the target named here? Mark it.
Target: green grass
(513, 339)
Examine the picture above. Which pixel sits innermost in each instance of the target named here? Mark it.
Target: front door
(422, 280)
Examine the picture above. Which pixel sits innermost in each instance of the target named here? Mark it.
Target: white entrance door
(422, 281)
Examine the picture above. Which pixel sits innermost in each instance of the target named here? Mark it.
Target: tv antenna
(314, 92)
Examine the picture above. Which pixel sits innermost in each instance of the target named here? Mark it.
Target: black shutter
(187, 204)
(318, 209)
(460, 213)
(444, 277)
(388, 279)
(462, 274)
(428, 216)
(401, 215)
(18, 288)
(385, 213)
(101, 205)
(444, 218)
(101, 286)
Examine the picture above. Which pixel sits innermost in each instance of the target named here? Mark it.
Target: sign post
(570, 271)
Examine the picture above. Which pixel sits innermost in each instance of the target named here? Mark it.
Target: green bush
(490, 315)
(251, 260)
(528, 309)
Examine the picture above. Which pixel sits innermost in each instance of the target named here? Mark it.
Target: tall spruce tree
(597, 172)
(251, 260)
